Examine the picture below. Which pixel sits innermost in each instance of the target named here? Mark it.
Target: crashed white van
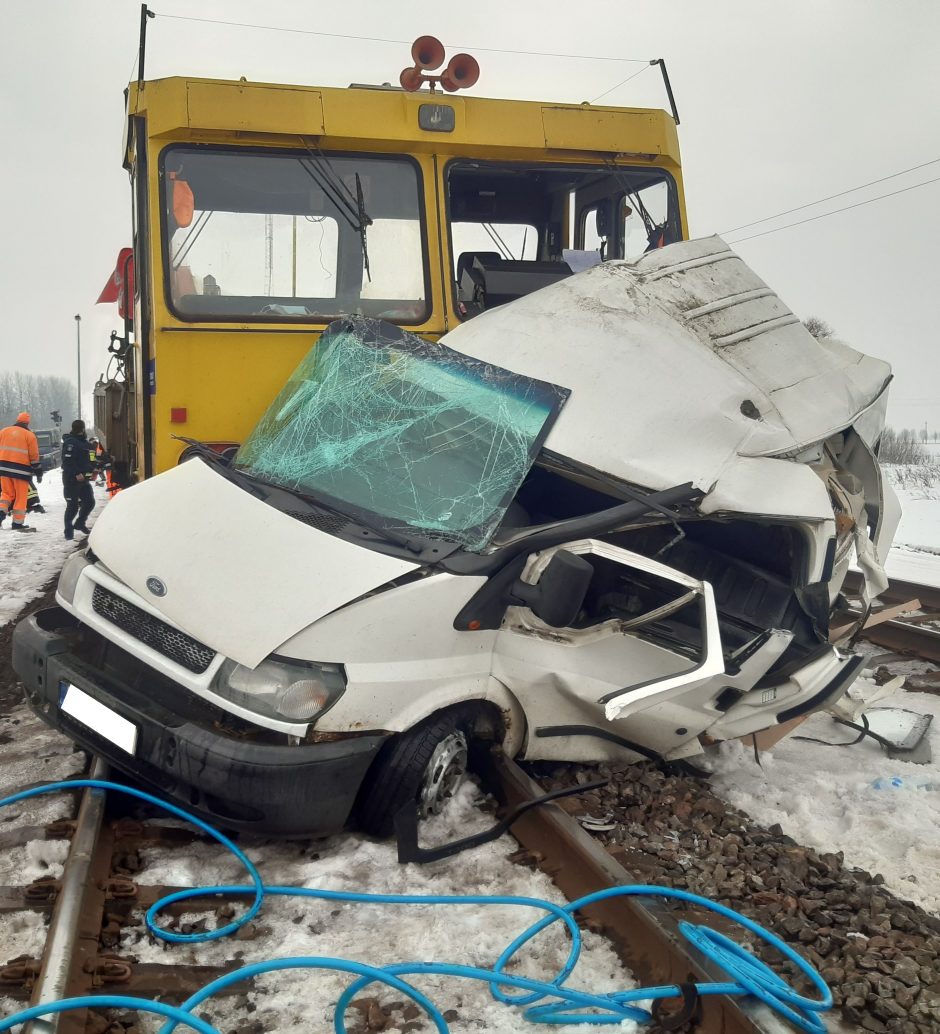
(606, 521)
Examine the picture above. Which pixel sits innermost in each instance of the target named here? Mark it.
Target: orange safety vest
(19, 451)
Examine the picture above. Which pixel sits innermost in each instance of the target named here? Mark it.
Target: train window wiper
(351, 207)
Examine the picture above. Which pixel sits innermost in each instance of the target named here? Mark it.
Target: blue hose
(545, 1002)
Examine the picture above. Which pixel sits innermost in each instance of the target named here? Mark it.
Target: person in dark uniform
(78, 472)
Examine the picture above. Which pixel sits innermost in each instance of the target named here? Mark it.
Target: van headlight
(298, 691)
(71, 572)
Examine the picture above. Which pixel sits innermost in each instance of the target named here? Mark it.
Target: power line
(835, 211)
(623, 83)
(831, 197)
(407, 43)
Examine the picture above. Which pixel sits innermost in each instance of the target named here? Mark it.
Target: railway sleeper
(172, 982)
(61, 829)
(19, 975)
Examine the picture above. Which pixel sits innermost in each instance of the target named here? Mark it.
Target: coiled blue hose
(545, 1002)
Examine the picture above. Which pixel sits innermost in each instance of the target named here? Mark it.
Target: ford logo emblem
(156, 586)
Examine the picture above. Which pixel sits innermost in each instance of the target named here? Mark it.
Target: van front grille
(180, 648)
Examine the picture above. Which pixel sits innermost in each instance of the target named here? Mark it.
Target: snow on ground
(31, 753)
(30, 561)
(915, 556)
(824, 798)
(380, 934)
(22, 933)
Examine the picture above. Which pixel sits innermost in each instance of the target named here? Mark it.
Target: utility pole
(78, 342)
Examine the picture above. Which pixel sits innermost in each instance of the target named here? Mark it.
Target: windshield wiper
(364, 221)
(250, 482)
(184, 249)
(351, 208)
(203, 449)
(413, 545)
(222, 465)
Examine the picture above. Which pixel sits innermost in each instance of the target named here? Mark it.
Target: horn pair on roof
(427, 52)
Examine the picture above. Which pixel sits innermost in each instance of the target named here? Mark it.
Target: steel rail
(899, 591)
(61, 954)
(643, 931)
(900, 635)
(906, 638)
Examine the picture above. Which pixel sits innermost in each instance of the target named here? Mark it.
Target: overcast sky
(782, 103)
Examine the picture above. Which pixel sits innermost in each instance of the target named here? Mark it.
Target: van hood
(240, 576)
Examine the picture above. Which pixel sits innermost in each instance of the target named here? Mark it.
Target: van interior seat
(467, 258)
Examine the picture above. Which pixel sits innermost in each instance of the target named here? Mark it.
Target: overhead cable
(623, 83)
(401, 42)
(830, 197)
(835, 211)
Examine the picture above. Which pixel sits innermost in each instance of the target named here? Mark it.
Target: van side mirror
(559, 594)
(603, 219)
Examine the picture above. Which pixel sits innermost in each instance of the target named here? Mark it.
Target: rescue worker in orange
(100, 460)
(19, 461)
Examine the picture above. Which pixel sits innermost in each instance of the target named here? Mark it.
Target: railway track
(914, 635)
(88, 907)
(96, 897)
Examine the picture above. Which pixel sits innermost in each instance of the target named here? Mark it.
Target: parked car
(50, 447)
(606, 521)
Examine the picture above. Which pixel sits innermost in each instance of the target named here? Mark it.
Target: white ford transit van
(606, 521)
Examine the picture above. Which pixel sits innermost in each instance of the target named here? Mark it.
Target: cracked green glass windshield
(403, 434)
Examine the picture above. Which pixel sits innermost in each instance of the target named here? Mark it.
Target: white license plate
(97, 717)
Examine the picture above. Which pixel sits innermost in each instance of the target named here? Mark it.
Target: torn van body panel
(606, 521)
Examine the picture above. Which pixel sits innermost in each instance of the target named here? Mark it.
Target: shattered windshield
(407, 435)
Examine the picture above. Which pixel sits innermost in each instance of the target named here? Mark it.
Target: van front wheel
(425, 765)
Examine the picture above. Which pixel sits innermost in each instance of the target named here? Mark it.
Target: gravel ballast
(879, 953)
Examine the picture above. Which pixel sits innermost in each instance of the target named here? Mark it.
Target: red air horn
(427, 52)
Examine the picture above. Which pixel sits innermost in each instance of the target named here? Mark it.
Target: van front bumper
(303, 790)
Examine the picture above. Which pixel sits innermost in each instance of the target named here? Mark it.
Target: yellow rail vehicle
(263, 212)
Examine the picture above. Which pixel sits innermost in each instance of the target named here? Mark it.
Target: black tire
(397, 774)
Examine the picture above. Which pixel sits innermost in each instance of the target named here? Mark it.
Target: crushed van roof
(684, 366)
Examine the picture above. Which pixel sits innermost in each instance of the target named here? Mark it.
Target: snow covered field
(30, 561)
(915, 556)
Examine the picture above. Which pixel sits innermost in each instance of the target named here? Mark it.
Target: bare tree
(901, 447)
(819, 328)
(37, 395)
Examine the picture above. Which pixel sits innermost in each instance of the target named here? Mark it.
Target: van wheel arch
(425, 760)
